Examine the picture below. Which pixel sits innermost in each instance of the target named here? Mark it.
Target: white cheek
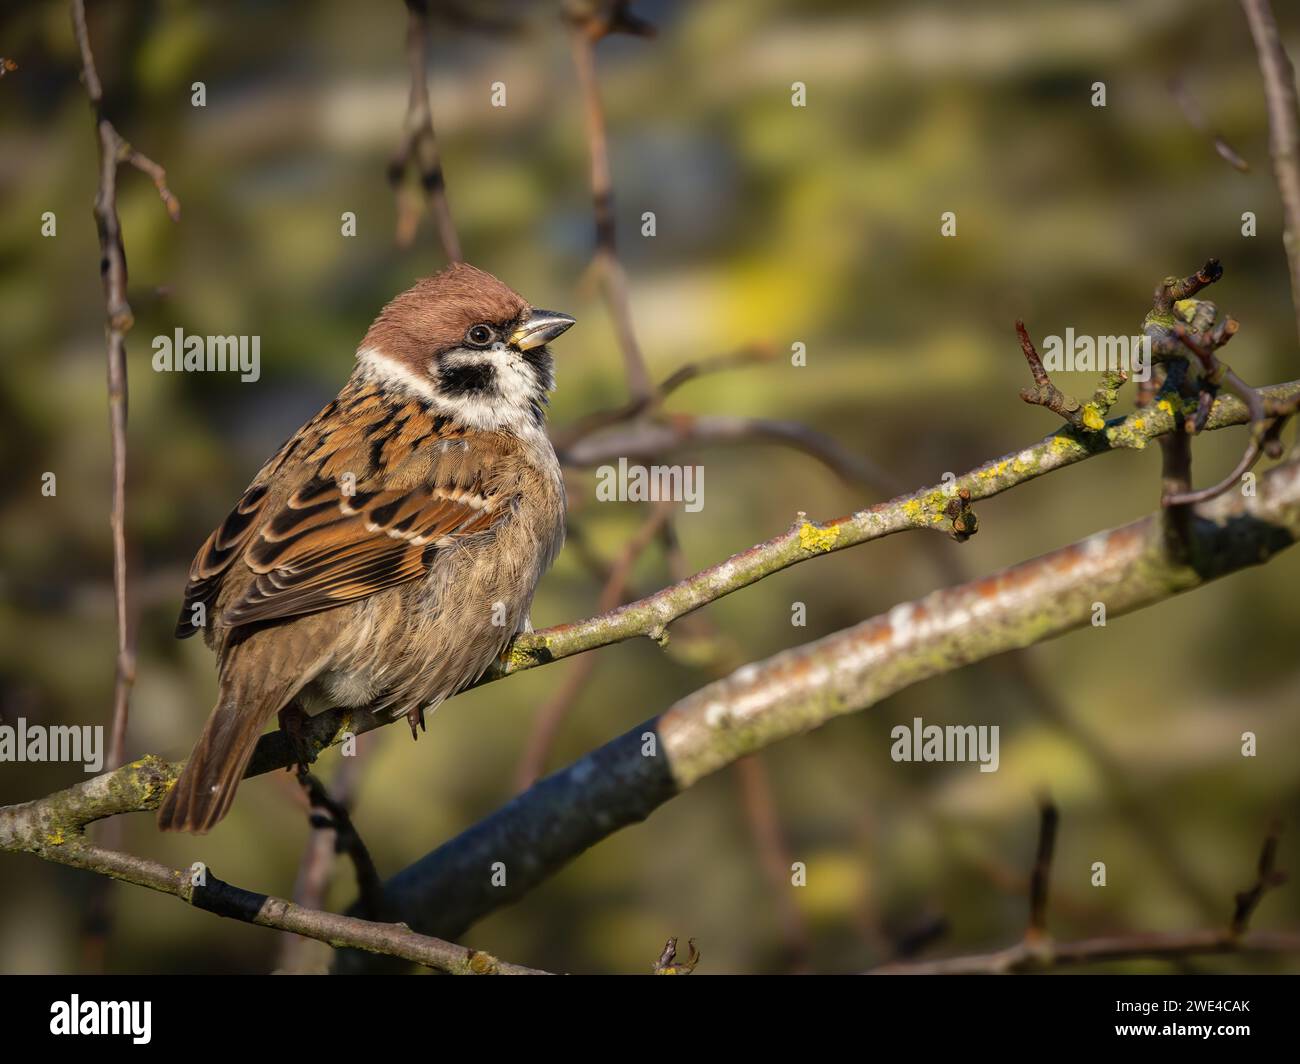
(511, 409)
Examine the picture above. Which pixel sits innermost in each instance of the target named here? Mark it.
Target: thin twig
(589, 22)
(1284, 130)
(1267, 876)
(1173, 946)
(565, 436)
(332, 814)
(1040, 880)
(1044, 392)
(1196, 117)
(113, 152)
(670, 964)
(1037, 952)
(765, 827)
(650, 438)
(418, 148)
(317, 864)
(550, 717)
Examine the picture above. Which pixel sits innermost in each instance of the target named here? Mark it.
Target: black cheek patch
(474, 378)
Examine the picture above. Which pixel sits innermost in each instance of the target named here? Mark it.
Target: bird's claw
(293, 722)
(415, 718)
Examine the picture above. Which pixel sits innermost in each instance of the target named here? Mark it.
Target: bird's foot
(293, 722)
(415, 718)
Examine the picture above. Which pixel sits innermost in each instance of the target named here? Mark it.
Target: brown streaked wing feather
(317, 553)
(218, 550)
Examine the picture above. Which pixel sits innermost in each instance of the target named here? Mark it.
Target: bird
(388, 553)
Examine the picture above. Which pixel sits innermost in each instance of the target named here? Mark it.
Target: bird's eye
(479, 335)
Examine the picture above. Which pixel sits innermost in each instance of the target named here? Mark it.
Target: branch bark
(55, 832)
(624, 781)
(123, 791)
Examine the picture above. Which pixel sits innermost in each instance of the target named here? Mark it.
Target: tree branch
(1284, 130)
(54, 831)
(800, 689)
(1175, 945)
(113, 152)
(1037, 952)
(127, 790)
(589, 22)
(625, 780)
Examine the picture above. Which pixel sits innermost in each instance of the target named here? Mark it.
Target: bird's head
(469, 344)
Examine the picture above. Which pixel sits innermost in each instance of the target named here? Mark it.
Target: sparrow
(387, 554)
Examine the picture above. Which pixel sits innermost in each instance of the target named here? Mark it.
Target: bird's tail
(207, 784)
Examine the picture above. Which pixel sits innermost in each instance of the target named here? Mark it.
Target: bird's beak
(542, 327)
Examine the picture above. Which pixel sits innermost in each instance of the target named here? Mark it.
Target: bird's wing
(421, 487)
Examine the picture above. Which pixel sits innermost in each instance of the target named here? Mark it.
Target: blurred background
(777, 224)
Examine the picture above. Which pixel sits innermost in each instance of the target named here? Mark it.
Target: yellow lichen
(812, 538)
(1092, 418)
(522, 657)
(482, 963)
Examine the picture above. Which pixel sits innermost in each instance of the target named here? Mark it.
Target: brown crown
(434, 314)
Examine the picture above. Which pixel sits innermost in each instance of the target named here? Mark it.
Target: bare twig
(1202, 332)
(1174, 946)
(769, 841)
(58, 837)
(113, 152)
(1044, 392)
(317, 864)
(418, 148)
(1132, 811)
(648, 439)
(670, 964)
(1266, 878)
(1040, 880)
(1284, 130)
(565, 436)
(547, 722)
(1196, 117)
(590, 21)
(329, 813)
(1037, 951)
